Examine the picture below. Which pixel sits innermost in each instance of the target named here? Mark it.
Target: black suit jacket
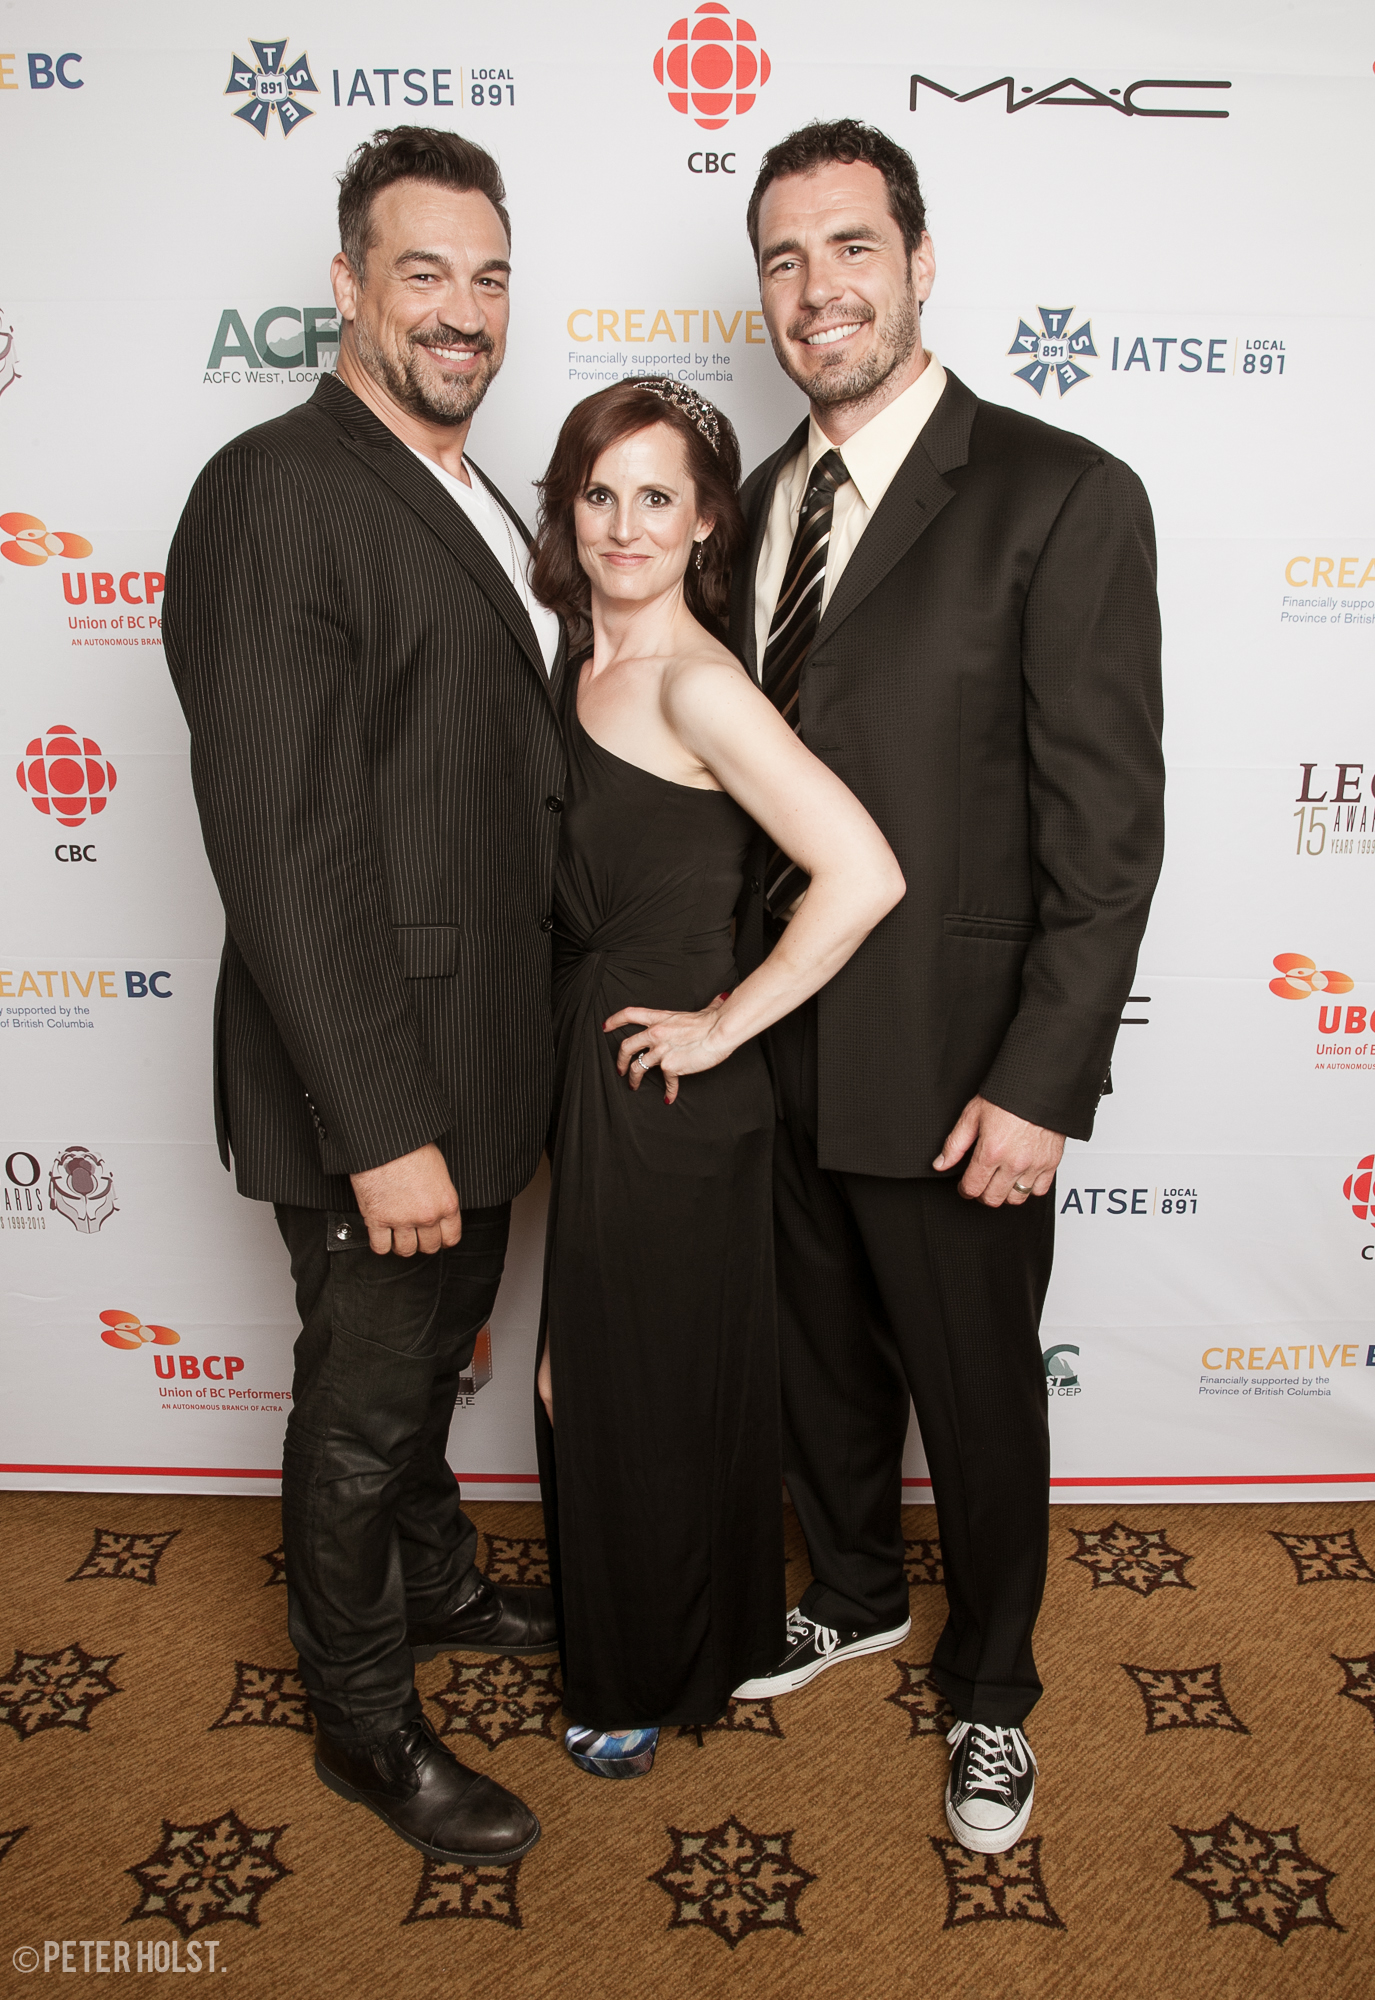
(986, 679)
(378, 762)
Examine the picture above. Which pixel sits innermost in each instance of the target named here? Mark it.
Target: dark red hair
(592, 427)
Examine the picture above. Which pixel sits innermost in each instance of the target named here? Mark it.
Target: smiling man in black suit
(378, 766)
(955, 606)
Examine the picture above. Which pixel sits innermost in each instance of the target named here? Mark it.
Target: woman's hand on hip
(678, 1044)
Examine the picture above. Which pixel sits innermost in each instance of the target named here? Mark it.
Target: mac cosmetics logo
(1142, 99)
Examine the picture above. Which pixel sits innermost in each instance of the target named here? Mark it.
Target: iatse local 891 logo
(80, 1186)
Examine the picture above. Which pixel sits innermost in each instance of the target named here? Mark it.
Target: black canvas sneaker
(991, 1786)
(812, 1648)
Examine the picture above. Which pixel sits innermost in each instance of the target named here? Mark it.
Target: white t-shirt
(499, 532)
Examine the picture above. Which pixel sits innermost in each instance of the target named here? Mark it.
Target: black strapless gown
(661, 1474)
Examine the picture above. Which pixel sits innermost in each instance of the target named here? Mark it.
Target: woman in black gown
(658, 1413)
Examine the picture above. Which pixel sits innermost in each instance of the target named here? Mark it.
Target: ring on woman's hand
(640, 1059)
(1020, 1189)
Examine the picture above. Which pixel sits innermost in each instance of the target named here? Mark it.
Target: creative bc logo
(712, 66)
(81, 1187)
(269, 87)
(66, 775)
(1300, 979)
(31, 541)
(1359, 1192)
(1053, 351)
(126, 1330)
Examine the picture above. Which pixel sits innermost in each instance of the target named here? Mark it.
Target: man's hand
(409, 1204)
(1007, 1151)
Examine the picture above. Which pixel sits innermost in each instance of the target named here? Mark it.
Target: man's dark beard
(445, 402)
(857, 382)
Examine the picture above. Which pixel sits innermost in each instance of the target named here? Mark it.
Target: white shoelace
(800, 1627)
(996, 1757)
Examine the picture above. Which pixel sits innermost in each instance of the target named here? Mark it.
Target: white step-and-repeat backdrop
(1152, 226)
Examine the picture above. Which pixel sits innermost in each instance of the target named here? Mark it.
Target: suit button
(554, 804)
(754, 884)
(546, 923)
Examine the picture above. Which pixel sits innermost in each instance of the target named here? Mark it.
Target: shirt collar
(873, 455)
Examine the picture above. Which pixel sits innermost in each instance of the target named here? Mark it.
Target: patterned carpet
(1203, 1827)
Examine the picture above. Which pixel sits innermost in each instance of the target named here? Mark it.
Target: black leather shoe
(492, 1621)
(423, 1793)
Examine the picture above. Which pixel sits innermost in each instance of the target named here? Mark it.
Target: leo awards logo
(711, 66)
(270, 87)
(30, 541)
(66, 776)
(1054, 352)
(9, 373)
(81, 1187)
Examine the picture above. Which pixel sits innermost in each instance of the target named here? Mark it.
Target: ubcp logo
(1300, 979)
(711, 65)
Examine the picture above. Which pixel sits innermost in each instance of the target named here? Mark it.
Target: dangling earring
(698, 547)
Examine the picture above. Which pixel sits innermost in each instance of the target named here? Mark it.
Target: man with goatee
(377, 763)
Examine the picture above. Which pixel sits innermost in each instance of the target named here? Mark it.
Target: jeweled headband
(696, 408)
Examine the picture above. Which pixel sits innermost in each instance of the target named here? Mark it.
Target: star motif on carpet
(201, 1875)
(55, 1690)
(749, 1718)
(732, 1881)
(921, 1561)
(516, 1559)
(1254, 1875)
(1360, 1680)
(266, 1698)
(8, 1837)
(276, 1565)
(133, 1557)
(1185, 1698)
(1139, 1559)
(995, 1888)
(500, 1698)
(1332, 1558)
(920, 1700)
(463, 1889)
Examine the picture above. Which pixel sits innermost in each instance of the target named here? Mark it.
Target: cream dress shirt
(872, 457)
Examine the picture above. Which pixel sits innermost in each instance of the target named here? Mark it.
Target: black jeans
(374, 1529)
(897, 1291)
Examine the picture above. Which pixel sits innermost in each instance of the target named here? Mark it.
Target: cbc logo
(711, 67)
(65, 775)
(711, 163)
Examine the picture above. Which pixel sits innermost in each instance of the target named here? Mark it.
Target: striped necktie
(792, 631)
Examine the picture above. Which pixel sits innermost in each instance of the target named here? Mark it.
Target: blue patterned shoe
(628, 1755)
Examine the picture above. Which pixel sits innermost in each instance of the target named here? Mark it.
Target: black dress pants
(373, 1525)
(890, 1289)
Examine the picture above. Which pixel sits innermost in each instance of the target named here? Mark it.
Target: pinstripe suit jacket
(377, 761)
(986, 679)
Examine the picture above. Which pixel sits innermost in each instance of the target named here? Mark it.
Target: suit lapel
(910, 505)
(369, 439)
(756, 528)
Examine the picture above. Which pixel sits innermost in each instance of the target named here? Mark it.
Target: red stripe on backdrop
(1218, 1479)
(532, 1478)
(240, 1472)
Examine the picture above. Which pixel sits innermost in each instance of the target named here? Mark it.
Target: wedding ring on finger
(1020, 1188)
(640, 1060)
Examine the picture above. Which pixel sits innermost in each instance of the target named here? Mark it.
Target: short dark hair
(841, 143)
(410, 153)
(592, 427)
